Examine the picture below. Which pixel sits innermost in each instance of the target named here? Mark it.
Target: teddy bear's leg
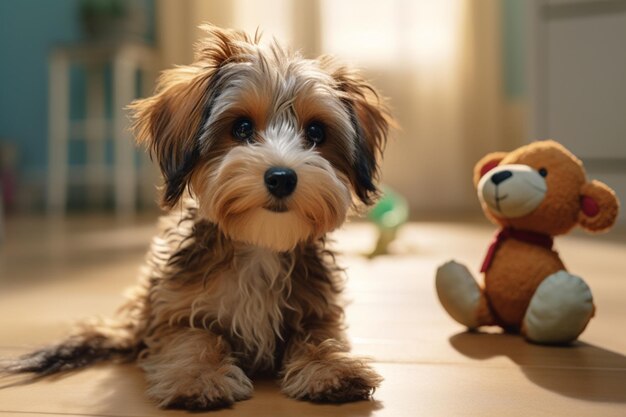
(559, 310)
(461, 296)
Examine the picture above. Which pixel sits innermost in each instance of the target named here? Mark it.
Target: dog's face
(275, 148)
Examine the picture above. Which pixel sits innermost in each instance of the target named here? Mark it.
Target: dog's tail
(92, 341)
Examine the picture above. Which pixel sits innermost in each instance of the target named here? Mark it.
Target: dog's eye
(243, 129)
(543, 172)
(315, 133)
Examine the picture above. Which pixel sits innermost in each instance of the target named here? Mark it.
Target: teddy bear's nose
(498, 177)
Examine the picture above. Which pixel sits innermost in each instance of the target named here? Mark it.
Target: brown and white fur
(240, 281)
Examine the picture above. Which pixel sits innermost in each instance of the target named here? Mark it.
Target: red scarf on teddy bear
(534, 238)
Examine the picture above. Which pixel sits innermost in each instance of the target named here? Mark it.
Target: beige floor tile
(13, 414)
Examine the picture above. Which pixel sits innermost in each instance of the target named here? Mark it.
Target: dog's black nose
(498, 177)
(280, 182)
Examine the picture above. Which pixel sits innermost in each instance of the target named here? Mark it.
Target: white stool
(126, 59)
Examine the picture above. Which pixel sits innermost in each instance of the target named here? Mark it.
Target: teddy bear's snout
(498, 177)
(512, 191)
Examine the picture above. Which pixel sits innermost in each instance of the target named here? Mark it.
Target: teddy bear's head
(542, 187)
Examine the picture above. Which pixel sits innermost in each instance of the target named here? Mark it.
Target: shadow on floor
(592, 373)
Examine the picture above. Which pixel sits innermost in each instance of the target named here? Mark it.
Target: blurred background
(464, 77)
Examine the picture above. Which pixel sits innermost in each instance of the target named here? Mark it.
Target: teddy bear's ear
(598, 206)
(486, 164)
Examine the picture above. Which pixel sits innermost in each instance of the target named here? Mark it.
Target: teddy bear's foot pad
(559, 311)
(459, 293)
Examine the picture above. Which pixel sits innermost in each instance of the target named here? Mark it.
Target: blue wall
(28, 31)
(513, 48)
(28, 28)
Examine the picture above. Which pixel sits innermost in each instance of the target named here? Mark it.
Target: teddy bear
(533, 193)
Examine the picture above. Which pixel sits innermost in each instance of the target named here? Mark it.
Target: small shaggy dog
(263, 152)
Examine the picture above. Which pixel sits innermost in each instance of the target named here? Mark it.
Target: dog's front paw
(207, 391)
(197, 402)
(337, 380)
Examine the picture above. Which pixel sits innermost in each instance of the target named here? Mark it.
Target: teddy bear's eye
(543, 172)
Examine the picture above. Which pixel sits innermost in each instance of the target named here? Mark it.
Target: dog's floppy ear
(169, 122)
(371, 120)
(599, 206)
(486, 164)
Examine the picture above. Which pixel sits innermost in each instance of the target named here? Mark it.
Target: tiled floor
(51, 274)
